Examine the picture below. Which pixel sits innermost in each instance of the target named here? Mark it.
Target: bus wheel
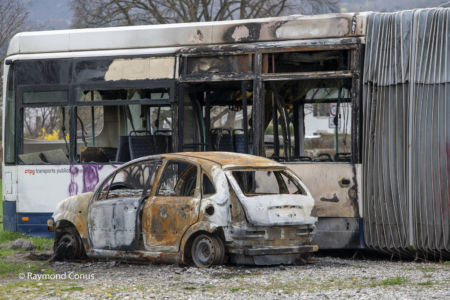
(207, 250)
(68, 246)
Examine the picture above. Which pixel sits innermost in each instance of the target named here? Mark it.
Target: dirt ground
(325, 278)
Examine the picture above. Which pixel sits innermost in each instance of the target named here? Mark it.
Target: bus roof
(295, 27)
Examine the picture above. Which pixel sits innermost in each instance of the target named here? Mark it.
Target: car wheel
(68, 246)
(206, 251)
(220, 251)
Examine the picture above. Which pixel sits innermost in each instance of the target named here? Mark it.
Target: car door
(173, 208)
(114, 217)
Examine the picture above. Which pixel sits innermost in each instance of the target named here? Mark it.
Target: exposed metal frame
(176, 98)
(71, 104)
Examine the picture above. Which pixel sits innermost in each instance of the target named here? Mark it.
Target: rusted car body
(201, 207)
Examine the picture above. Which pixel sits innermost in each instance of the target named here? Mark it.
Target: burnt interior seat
(239, 140)
(343, 157)
(164, 140)
(222, 140)
(123, 149)
(142, 143)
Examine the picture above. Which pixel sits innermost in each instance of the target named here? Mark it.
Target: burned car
(201, 208)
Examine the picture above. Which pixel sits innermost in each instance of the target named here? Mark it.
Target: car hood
(72, 207)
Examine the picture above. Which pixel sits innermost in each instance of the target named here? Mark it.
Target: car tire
(68, 246)
(220, 251)
(207, 250)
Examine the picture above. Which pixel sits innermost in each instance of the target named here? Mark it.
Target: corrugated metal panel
(406, 132)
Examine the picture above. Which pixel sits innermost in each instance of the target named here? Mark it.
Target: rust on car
(199, 207)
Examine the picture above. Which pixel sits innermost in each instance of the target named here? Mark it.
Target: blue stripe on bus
(9, 216)
(36, 224)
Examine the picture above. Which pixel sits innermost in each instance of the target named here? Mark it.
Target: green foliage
(40, 242)
(8, 236)
(1, 205)
(73, 288)
(9, 268)
(425, 283)
(394, 281)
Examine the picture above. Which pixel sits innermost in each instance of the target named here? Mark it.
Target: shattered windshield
(266, 182)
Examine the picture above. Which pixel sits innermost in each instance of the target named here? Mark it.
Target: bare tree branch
(96, 13)
(13, 16)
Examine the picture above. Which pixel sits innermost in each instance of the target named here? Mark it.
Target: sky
(56, 14)
(49, 14)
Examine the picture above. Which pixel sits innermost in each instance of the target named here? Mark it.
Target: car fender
(203, 226)
(74, 210)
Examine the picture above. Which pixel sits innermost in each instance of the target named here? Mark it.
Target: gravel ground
(325, 278)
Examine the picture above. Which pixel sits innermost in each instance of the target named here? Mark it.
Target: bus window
(45, 135)
(217, 117)
(308, 120)
(9, 116)
(306, 61)
(219, 64)
(115, 69)
(112, 123)
(129, 94)
(43, 72)
(44, 97)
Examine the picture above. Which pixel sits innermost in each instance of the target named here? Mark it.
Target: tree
(13, 16)
(101, 13)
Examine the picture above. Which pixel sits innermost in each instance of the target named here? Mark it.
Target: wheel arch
(192, 233)
(65, 226)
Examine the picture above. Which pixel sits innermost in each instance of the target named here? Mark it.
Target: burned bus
(356, 104)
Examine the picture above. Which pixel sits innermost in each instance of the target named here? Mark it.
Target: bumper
(51, 225)
(276, 251)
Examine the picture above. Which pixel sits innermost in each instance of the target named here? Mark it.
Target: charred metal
(198, 207)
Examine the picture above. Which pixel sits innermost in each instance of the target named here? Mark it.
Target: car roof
(226, 159)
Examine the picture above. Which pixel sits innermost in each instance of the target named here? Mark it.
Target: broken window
(131, 123)
(178, 179)
(266, 182)
(99, 118)
(130, 181)
(115, 69)
(217, 117)
(308, 120)
(306, 61)
(234, 64)
(45, 135)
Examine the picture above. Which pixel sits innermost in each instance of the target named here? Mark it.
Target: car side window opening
(266, 182)
(135, 180)
(207, 186)
(178, 179)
